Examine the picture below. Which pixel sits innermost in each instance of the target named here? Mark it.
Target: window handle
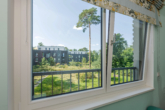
(114, 39)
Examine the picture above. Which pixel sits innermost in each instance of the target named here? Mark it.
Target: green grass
(59, 89)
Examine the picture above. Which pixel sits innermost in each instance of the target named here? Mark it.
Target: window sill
(105, 99)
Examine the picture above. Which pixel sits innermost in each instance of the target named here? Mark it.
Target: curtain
(144, 10)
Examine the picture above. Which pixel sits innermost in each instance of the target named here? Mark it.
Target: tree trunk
(89, 46)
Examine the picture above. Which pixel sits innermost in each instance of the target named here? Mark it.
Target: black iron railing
(123, 75)
(46, 84)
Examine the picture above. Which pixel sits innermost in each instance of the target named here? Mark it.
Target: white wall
(6, 54)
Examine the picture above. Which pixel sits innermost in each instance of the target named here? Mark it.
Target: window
(127, 46)
(54, 59)
(39, 48)
(36, 54)
(59, 55)
(47, 55)
(36, 59)
(54, 54)
(74, 75)
(47, 78)
(42, 54)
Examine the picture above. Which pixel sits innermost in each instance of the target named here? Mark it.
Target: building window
(63, 55)
(54, 54)
(49, 48)
(36, 60)
(45, 48)
(53, 48)
(36, 54)
(42, 54)
(39, 48)
(47, 55)
(54, 59)
(59, 55)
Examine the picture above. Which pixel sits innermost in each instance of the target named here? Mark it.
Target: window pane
(128, 49)
(66, 47)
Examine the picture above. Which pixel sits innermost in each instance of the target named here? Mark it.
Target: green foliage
(66, 48)
(97, 63)
(118, 48)
(84, 61)
(72, 63)
(40, 44)
(83, 49)
(82, 76)
(74, 49)
(44, 61)
(57, 64)
(87, 17)
(51, 61)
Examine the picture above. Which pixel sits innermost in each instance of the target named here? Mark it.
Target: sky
(54, 24)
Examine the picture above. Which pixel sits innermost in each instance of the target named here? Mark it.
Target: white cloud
(97, 44)
(79, 28)
(38, 37)
(60, 45)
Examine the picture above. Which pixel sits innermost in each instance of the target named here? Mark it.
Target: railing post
(134, 79)
(78, 81)
(92, 79)
(33, 87)
(70, 82)
(127, 75)
(114, 78)
(119, 76)
(52, 84)
(123, 76)
(85, 80)
(98, 79)
(61, 82)
(41, 85)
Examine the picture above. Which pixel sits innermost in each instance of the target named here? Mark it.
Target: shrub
(82, 76)
(58, 64)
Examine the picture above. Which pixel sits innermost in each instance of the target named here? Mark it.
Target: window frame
(22, 68)
(110, 52)
(26, 24)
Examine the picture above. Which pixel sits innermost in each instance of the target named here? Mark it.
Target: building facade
(59, 54)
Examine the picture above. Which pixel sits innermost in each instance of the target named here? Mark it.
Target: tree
(86, 19)
(51, 61)
(84, 61)
(70, 49)
(83, 49)
(40, 44)
(66, 48)
(74, 49)
(118, 47)
(44, 61)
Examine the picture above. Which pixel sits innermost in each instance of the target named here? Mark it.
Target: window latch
(114, 39)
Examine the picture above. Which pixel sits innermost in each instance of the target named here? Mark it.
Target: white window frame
(124, 85)
(89, 99)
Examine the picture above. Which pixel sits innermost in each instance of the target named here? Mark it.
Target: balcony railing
(46, 84)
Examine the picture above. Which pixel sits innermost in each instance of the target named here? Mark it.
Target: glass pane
(66, 47)
(128, 49)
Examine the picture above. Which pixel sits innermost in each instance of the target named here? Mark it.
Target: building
(59, 54)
